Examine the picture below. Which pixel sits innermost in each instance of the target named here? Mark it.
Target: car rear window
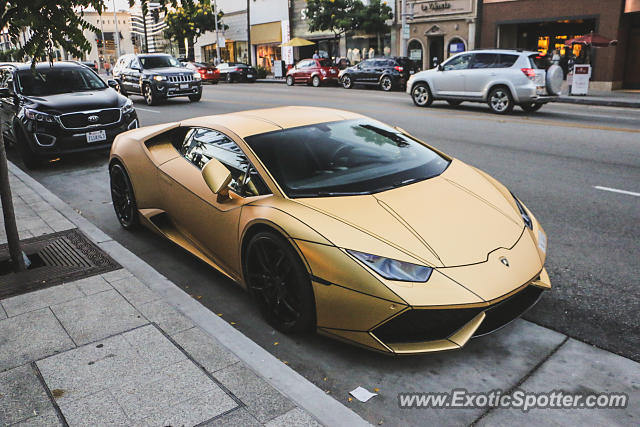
(324, 62)
(505, 60)
(538, 62)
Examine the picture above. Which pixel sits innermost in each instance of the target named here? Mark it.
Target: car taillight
(529, 72)
(398, 68)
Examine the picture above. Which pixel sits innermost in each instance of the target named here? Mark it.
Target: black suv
(387, 73)
(156, 77)
(58, 109)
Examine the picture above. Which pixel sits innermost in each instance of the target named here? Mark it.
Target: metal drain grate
(60, 257)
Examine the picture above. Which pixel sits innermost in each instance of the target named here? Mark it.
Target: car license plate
(249, 76)
(99, 135)
(184, 86)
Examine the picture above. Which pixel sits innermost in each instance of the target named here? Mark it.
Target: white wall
(263, 11)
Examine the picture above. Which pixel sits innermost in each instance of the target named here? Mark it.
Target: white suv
(501, 78)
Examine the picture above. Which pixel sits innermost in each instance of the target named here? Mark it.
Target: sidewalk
(128, 347)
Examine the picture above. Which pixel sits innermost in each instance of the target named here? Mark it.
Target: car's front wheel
(315, 81)
(421, 95)
(500, 100)
(531, 107)
(289, 80)
(124, 201)
(149, 96)
(347, 83)
(195, 98)
(29, 158)
(386, 84)
(279, 283)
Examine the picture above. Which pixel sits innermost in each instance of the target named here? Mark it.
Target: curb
(600, 102)
(270, 81)
(291, 384)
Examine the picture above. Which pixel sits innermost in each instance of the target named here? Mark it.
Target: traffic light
(99, 43)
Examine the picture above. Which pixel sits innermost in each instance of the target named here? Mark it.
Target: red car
(209, 74)
(314, 71)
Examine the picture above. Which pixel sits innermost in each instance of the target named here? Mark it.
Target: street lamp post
(116, 35)
(215, 20)
(403, 20)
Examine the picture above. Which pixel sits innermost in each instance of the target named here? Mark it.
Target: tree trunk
(10, 226)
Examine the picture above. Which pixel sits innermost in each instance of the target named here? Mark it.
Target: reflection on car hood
(77, 101)
(454, 219)
(168, 70)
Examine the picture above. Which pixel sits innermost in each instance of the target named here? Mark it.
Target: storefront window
(266, 54)
(360, 48)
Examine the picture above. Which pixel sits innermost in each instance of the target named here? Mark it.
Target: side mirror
(440, 67)
(217, 177)
(112, 84)
(5, 92)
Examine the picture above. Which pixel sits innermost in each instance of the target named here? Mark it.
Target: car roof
(509, 51)
(254, 122)
(42, 65)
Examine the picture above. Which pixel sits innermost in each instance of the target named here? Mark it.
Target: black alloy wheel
(347, 83)
(500, 100)
(279, 283)
(386, 84)
(196, 97)
(124, 202)
(149, 97)
(229, 78)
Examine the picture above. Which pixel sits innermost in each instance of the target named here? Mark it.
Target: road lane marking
(146, 109)
(615, 190)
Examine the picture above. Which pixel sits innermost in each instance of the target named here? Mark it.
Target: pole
(215, 20)
(403, 20)
(248, 34)
(10, 226)
(117, 33)
(144, 25)
(103, 44)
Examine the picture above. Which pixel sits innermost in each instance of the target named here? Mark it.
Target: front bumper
(172, 90)
(49, 140)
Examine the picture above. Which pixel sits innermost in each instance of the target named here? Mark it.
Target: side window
(460, 62)
(506, 61)
(202, 145)
(134, 63)
(4, 75)
(484, 60)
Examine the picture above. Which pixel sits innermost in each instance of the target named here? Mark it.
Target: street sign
(406, 32)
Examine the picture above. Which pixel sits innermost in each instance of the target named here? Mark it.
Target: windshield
(149, 62)
(56, 80)
(325, 62)
(344, 158)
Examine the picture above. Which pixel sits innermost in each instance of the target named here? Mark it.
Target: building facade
(104, 42)
(439, 29)
(327, 44)
(270, 27)
(233, 40)
(544, 25)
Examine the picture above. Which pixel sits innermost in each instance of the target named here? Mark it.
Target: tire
(279, 283)
(530, 107)
(315, 81)
(124, 201)
(454, 102)
(347, 83)
(196, 97)
(229, 78)
(149, 97)
(28, 157)
(386, 84)
(421, 95)
(121, 89)
(290, 81)
(554, 77)
(500, 100)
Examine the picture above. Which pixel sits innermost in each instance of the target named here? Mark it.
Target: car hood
(165, 71)
(77, 101)
(454, 219)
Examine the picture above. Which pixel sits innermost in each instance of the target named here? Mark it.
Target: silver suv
(501, 78)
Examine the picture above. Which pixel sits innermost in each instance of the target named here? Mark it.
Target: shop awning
(297, 42)
(592, 39)
(270, 32)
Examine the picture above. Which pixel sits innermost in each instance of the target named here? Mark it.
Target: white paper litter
(362, 394)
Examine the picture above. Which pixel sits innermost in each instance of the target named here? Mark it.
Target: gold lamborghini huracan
(338, 223)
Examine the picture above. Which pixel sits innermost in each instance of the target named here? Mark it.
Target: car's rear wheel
(124, 201)
(315, 81)
(279, 283)
(500, 100)
(229, 78)
(531, 107)
(386, 84)
(289, 80)
(347, 83)
(421, 95)
(149, 97)
(454, 102)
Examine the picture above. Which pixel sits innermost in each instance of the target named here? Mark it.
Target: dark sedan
(59, 109)
(237, 72)
(386, 73)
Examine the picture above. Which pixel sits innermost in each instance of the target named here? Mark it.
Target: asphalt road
(557, 161)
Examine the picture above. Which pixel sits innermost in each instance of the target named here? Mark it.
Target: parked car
(156, 77)
(208, 73)
(387, 73)
(90, 64)
(237, 72)
(501, 78)
(314, 72)
(342, 63)
(59, 109)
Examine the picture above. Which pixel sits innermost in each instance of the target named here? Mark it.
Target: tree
(190, 21)
(372, 19)
(337, 16)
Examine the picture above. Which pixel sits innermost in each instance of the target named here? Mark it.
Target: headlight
(38, 116)
(393, 269)
(159, 78)
(197, 76)
(523, 212)
(127, 107)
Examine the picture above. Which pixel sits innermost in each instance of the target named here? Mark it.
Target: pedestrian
(555, 58)
(107, 68)
(315, 54)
